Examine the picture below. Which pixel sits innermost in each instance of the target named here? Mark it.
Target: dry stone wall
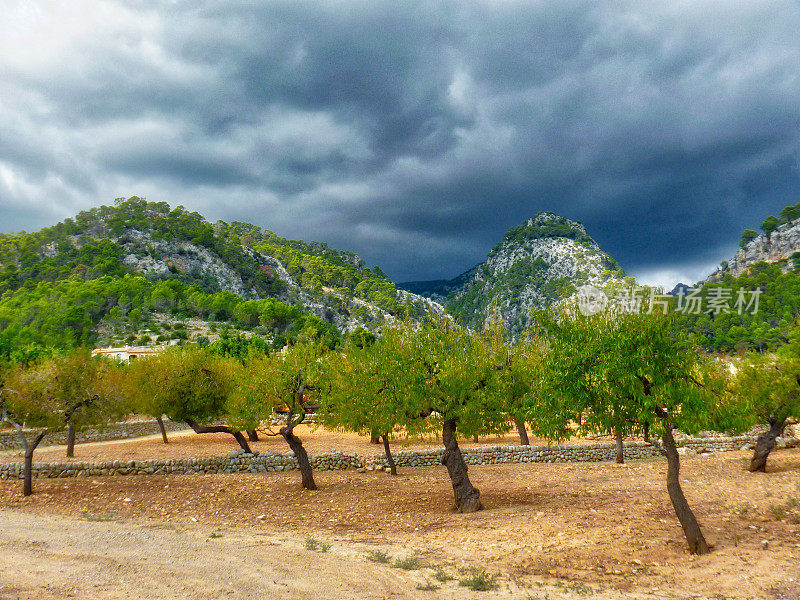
(115, 431)
(239, 462)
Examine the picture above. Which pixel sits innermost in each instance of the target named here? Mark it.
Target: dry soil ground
(594, 530)
(188, 443)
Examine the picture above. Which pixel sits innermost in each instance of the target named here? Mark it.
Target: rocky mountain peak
(537, 263)
(780, 246)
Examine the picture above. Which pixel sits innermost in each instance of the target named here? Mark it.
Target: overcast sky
(413, 133)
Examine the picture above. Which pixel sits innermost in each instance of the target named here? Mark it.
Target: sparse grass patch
(578, 587)
(441, 575)
(479, 580)
(428, 587)
(379, 556)
(312, 544)
(215, 534)
(778, 512)
(108, 516)
(316, 545)
(412, 563)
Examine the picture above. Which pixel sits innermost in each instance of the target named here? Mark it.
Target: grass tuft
(412, 563)
(312, 544)
(441, 575)
(428, 587)
(479, 581)
(379, 556)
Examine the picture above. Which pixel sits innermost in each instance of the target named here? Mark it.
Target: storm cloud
(413, 133)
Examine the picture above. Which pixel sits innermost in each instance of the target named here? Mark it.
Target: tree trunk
(70, 440)
(467, 497)
(620, 447)
(163, 429)
(252, 435)
(697, 543)
(475, 438)
(523, 433)
(302, 457)
(220, 429)
(765, 445)
(374, 438)
(27, 468)
(389, 458)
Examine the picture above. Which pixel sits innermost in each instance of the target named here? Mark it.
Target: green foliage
(556, 227)
(766, 386)
(479, 580)
(476, 302)
(621, 370)
(778, 309)
(770, 224)
(378, 556)
(441, 575)
(411, 563)
(76, 267)
(278, 383)
(65, 314)
(238, 346)
(438, 370)
(748, 235)
(183, 383)
(72, 388)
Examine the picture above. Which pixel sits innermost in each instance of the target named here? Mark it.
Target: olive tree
(625, 369)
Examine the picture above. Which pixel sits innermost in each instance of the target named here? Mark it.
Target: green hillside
(131, 266)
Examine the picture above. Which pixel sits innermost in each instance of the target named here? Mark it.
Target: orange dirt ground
(187, 443)
(592, 528)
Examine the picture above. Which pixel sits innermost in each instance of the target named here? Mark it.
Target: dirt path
(46, 557)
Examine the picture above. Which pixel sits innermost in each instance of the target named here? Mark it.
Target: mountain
(537, 263)
(116, 272)
(765, 271)
(779, 245)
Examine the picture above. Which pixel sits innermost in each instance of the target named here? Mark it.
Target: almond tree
(360, 391)
(75, 390)
(644, 374)
(438, 378)
(188, 385)
(279, 384)
(515, 375)
(768, 391)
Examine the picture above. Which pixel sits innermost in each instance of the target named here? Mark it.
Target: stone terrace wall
(562, 453)
(234, 462)
(115, 431)
(239, 462)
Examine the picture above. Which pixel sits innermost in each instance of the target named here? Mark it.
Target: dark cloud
(412, 133)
